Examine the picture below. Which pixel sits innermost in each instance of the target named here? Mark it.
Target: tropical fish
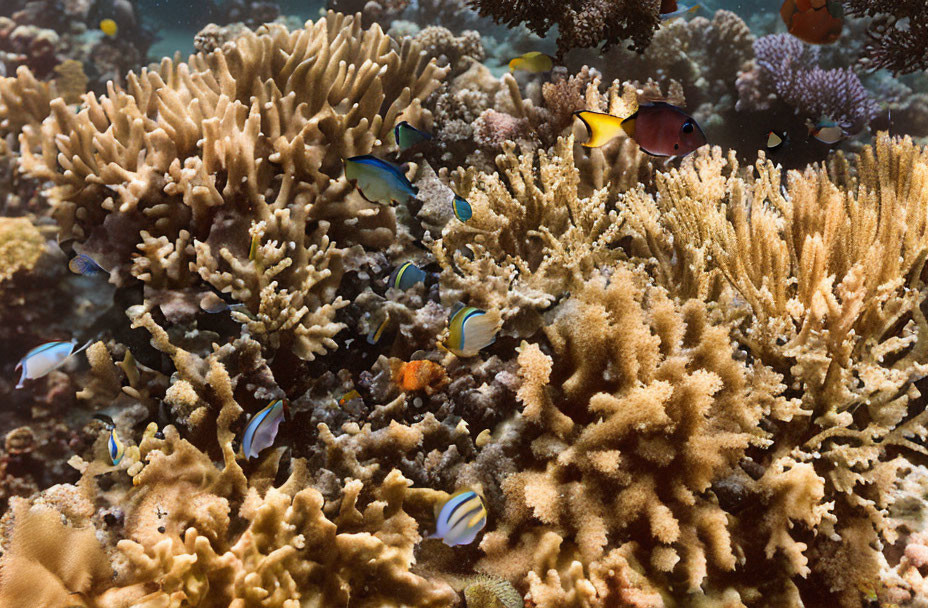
(462, 209)
(777, 140)
(485, 590)
(253, 249)
(461, 518)
(407, 136)
(660, 129)
(109, 27)
(405, 276)
(45, 358)
(379, 181)
(212, 303)
(469, 330)
(347, 397)
(826, 131)
(261, 430)
(374, 336)
(683, 10)
(532, 62)
(115, 447)
(813, 21)
(85, 265)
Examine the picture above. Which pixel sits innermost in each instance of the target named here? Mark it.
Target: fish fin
(82, 348)
(601, 127)
(628, 125)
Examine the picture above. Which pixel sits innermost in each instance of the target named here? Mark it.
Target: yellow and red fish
(813, 21)
(670, 10)
(659, 129)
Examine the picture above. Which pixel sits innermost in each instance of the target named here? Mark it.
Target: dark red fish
(661, 129)
(668, 6)
(813, 21)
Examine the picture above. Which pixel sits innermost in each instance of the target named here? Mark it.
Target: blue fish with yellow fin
(470, 330)
(462, 209)
(461, 518)
(407, 136)
(374, 336)
(261, 430)
(405, 276)
(115, 447)
(46, 358)
(379, 181)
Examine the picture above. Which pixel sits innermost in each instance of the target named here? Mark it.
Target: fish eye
(676, 146)
(688, 127)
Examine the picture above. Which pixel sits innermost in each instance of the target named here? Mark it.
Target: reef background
(708, 383)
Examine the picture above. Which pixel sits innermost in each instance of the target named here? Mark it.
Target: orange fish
(813, 21)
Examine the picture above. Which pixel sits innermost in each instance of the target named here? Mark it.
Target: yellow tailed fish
(461, 518)
(405, 276)
(374, 336)
(469, 330)
(533, 62)
(115, 447)
(109, 27)
(379, 181)
(659, 129)
(43, 359)
(261, 430)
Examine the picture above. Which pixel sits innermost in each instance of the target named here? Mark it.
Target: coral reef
(896, 34)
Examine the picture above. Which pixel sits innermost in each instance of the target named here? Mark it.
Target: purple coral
(786, 69)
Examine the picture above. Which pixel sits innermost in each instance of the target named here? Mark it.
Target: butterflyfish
(379, 181)
(115, 447)
(679, 12)
(85, 265)
(813, 21)
(777, 140)
(659, 129)
(374, 336)
(462, 209)
(348, 397)
(461, 519)
(109, 27)
(261, 430)
(826, 131)
(407, 136)
(405, 276)
(45, 358)
(485, 590)
(533, 62)
(469, 330)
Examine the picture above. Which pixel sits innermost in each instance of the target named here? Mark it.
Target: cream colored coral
(21, 246)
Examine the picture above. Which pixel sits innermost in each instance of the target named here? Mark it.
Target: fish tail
(601, 127)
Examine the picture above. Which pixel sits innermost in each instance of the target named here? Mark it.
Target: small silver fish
(261, 430)
(46, 358)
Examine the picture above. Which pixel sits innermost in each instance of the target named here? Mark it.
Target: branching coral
(194, 160)
(897, 34)
(581, 23)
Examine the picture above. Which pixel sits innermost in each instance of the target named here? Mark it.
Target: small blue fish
(407, 136)
(680, 12)
(261, 430)
(116, 447)
(45, 358)
(85, 265)
(461, 519)
(826, 131)
(462, 209)
(405, 276)
(379, 181)
(469, 330)
(374, 336)
(212, 303)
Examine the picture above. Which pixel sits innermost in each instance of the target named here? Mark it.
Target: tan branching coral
(173, 177)
(645, 408)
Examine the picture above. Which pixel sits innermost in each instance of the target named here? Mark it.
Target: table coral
(194, 160)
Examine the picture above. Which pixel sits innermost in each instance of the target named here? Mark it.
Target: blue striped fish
(461, 208)
(261, 430)
(379, 181)
(115, 447)
(469, 330)
(405, 276)
(85, 265)
(407, 136)
(374, 336)
(461, 519)
(43, 359)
